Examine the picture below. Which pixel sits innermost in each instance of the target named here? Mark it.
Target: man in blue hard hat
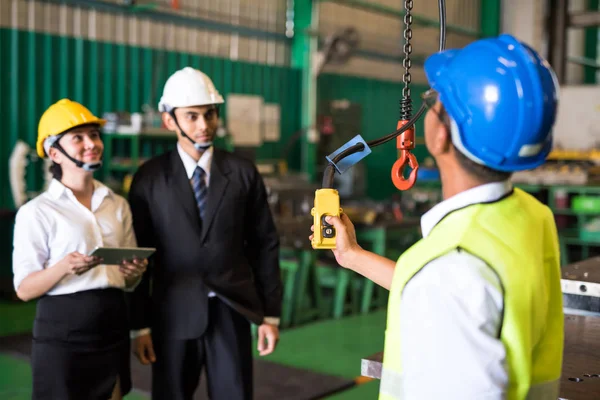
(475, 308)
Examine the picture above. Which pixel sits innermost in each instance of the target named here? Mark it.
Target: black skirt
(80, 346)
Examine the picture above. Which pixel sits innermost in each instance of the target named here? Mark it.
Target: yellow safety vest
(516, 236)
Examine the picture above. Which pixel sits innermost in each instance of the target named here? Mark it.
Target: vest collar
(487, 193)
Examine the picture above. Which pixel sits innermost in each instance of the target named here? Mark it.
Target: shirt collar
(480, 194)
(56, 189)
(190, 164)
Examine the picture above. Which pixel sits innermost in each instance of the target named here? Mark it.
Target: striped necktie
(200, 189)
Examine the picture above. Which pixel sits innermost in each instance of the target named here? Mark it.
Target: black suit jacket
(234, 251)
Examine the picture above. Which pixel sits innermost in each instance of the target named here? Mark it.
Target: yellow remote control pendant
(327, 202)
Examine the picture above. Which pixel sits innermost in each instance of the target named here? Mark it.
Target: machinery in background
(339, 120)
(149, 121)
(564, 167)
(22, 159)
(19, 159)
(337, 49)
(290, 198)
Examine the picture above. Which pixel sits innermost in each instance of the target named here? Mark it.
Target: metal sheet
(587, 271)
(581, 358)
(580, 285)
(371, 366)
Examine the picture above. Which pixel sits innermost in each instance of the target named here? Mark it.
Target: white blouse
(55, 223)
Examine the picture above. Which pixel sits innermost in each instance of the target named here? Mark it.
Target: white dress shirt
(190, 165)
(451, 316)
(55, 223)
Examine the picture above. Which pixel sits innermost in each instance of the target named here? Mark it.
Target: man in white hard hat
(216, 268)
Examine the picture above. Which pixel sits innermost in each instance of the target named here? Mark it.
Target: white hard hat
(188, 87)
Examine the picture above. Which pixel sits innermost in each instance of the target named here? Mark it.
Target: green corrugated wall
(38, 69)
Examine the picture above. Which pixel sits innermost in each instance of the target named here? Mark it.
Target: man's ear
(445, 138)
(169, 122)
(440, 140)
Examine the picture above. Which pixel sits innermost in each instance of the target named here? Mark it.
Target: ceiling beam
(584, 19)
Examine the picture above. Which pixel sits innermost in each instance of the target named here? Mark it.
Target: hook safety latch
(405, 143)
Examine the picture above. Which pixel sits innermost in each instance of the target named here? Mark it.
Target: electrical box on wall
(245, 119)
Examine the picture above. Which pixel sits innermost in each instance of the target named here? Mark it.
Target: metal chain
(408, 5)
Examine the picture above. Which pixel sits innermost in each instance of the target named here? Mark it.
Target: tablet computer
(116, 255)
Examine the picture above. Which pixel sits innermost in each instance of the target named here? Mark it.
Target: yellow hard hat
(60, 117)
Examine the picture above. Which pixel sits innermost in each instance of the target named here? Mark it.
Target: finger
(271, 341)
(141, 354)
(81, 270)
(77, 263)
(312, 228)
(91, 265)
(77, 255)
(126, 265)
(143, 359)
(135, 266)
(261, 340)
(140, 263)
(311, 237)
(150, 350)
(131, 267)
(135, 269)
(81, 262)
(127, 274)
(270, 345)
(335, 221)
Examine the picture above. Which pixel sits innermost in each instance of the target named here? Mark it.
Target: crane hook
(405, 143)
(407, 158)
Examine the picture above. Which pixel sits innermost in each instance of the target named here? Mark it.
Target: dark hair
(56, 171)
(478, 171)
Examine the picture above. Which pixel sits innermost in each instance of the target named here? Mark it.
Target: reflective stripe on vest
(392, 386)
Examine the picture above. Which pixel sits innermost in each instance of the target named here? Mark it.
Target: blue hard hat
(502, 97)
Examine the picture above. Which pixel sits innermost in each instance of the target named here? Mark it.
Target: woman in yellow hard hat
(80, 334)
